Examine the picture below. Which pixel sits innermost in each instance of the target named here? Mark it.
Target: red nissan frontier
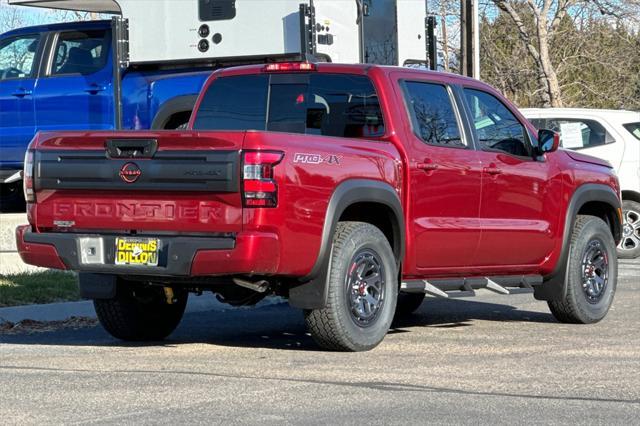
(351, 190)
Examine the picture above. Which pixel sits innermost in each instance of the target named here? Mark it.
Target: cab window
(17, 57)
(80, 52)
(496, 127)
(432, 114)
(328, 105)
(234, 103)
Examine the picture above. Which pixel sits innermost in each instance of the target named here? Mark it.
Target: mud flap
(552, 288)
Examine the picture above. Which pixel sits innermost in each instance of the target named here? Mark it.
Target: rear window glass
(319, 104)
(234, 103)
(634, 129)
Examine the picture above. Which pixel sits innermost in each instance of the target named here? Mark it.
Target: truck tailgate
(185, 182)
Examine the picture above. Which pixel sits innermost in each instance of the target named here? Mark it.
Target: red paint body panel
(254, 253)
(459, 219)
(43, 255)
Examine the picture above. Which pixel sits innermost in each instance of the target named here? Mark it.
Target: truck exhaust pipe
(259, 286)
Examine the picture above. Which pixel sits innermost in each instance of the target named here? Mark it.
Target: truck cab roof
(62, 26)
(330, 67)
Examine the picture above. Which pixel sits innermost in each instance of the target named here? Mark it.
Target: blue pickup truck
(61, 77)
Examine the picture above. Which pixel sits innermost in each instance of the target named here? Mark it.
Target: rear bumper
(183, 256)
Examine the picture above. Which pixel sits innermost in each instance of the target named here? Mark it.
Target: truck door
(76, 91)
(521, 195)
(444, 179)
(18, 70)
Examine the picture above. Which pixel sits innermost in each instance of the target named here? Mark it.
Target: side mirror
(548, 141)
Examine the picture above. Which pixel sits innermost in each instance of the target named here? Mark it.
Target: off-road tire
(627, 207)
(334, 326)
(140, 313)
(408, 303)
(575, 308)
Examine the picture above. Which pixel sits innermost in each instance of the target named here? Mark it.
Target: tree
(12, 17)
(547, 17)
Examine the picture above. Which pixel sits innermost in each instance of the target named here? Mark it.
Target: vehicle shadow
(281, 327)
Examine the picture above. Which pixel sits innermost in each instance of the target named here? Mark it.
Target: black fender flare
(554, 285)
(310, 292)
(173, 106)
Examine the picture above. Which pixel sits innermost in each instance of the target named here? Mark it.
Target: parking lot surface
(491, 359)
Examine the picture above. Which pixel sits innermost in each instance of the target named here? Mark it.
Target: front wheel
(362, 290)
(140, 313)
(629, 247)
(592, 274)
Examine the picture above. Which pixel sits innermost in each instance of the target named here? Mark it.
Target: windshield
(634, 129)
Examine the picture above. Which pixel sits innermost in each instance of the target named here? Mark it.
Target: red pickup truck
(351, 190)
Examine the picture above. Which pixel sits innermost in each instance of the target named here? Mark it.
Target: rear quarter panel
(311, 170)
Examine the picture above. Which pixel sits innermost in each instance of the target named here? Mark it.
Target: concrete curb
(11, 263)
(8, 224)
(62, 311)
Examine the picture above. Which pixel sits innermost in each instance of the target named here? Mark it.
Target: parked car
(610, 135)
(60, 77)
(351, 190)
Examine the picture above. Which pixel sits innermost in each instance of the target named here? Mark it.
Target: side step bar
(465, 287)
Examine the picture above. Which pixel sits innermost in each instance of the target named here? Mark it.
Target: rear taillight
(259, 186)
(27, 178)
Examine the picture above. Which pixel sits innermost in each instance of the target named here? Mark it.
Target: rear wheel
(629, 247)
(140, 313)
(362, 290)
(592, 273)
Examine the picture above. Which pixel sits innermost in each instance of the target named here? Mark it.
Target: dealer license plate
(137, 251)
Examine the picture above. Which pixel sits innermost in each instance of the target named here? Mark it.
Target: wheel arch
(363, 200)
(588, 199)
(175, 107)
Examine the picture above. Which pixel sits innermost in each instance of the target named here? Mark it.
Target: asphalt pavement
(488, 360)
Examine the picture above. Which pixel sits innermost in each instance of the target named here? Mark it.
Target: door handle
(427, 166)
(492, 170)
(21, 93)
(94, 89)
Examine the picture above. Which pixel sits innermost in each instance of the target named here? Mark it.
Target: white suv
(613, 136)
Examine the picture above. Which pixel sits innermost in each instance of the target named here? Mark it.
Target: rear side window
(81, 52)
(634, 129)
(433, 117)
(579, 133)
(319, 104)
(234, 103)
